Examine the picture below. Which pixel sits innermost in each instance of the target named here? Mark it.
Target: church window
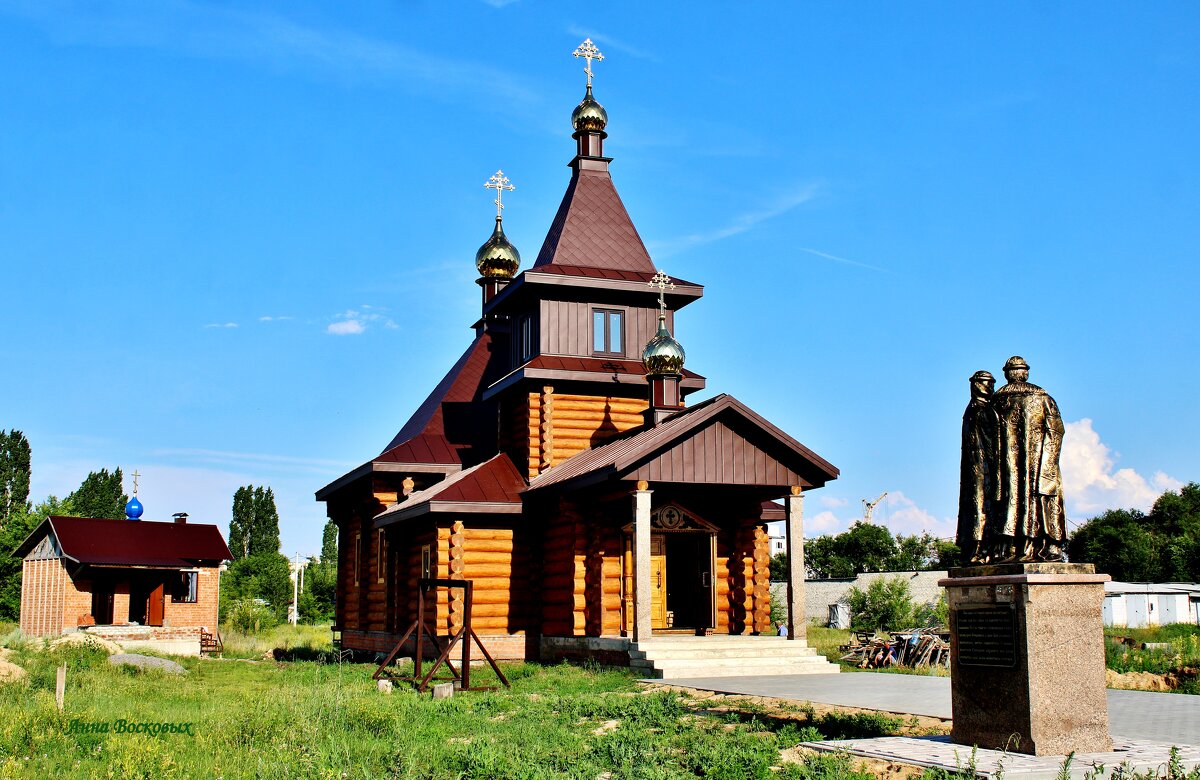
(608, 331)
(523, 339)
(380, 556)
(357, 559)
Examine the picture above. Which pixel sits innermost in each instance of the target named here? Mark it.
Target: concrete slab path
(1160, 717)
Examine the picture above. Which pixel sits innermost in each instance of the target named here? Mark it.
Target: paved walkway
(1160, 717)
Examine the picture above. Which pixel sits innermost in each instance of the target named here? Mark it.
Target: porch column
(794, 507)
(641, 562)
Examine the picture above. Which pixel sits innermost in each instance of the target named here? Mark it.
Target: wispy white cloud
(346, 328)
(740, 224)
(227, 32)
(221, 325)
(607, 41)
(268, 318)
(500, 3)
(1092, 483)
(837, 259)
(355, 321)
(898, 513)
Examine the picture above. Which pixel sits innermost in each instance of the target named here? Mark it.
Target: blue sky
(237, 239)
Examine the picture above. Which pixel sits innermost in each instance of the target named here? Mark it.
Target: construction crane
(869, 506)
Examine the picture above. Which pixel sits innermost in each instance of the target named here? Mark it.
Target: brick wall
(203, 612)
(44, 586)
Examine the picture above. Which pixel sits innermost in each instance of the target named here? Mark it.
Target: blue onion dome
(134, 509)
(497, 258)
(589, 115)
(663, 354)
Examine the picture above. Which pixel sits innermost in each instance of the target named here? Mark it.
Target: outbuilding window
(185, 589)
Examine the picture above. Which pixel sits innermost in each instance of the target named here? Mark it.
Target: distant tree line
(1133, 546)
(867, 547)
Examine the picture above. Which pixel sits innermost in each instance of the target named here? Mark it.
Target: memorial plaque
(987, 637)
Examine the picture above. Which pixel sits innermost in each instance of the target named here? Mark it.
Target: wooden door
(154, 606)
(658, 582)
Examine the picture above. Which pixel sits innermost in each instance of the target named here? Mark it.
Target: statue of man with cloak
(977, 476)
(1030, 521)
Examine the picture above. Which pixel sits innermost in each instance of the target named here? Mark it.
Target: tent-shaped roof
(592, 229)
(493, 486)
(718, 441)
(101, 541)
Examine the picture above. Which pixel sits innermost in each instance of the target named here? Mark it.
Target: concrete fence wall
(819, 595)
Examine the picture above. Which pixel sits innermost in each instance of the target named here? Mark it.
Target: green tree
(864, 547)
(320, 580)
(886, 605)
(264, 533)
(19, 526)
(100, 495)
(779, 567)
(1162, 546)
(243, 520)
(329, 537)
(266, 577)
(14, 475)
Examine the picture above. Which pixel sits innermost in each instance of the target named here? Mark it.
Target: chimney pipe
(180, 518)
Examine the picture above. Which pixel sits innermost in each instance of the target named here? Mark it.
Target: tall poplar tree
(242, 522)
(14, 475)
(100, 495)
(264, 533)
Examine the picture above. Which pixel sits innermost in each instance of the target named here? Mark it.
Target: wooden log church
(559, 468)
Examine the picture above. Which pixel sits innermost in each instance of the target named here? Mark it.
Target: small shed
(141, 583)
(1143, 604)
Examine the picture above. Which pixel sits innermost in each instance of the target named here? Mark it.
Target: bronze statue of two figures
(1010, 506)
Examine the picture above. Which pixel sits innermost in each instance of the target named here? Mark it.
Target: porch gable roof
(493, 486)
(718, 441)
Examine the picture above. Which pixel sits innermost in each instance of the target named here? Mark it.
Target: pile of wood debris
(912, 647)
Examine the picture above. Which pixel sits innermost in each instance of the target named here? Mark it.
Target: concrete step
(673, 672)
(728, 663)
(716, 653)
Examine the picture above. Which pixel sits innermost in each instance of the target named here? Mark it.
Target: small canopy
(491, 487)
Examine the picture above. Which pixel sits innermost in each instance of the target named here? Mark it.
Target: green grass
(1181, 658)
(315, 720)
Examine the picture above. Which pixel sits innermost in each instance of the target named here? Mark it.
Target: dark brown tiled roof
(595, 365)
(592, 229)
(490, 486)
(453, 422)
(131, 542)
(607, 273)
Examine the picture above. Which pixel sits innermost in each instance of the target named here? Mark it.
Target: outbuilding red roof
(102, 541)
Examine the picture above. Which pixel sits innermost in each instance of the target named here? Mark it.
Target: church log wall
(542, 429)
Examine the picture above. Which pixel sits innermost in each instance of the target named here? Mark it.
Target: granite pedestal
(1027, 658)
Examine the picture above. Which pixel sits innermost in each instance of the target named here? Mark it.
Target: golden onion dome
(589, 115)
(663, 354)
(497, 258)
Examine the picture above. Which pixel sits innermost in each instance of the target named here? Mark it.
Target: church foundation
(1027, 658)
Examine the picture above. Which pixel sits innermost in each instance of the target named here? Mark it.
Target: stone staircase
(672, 657)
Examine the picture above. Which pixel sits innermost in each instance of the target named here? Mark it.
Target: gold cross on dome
(663, 283)
(589, 52)
(135, 476)
(499, 183)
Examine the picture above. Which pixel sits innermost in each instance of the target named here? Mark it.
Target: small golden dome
(497, 258)
(589, 115)
(663, 354)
